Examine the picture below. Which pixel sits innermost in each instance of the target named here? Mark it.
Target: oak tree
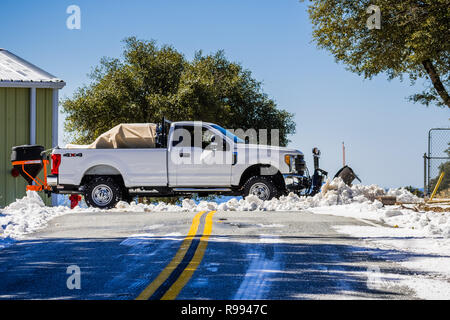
(152, 81)
(413, 39)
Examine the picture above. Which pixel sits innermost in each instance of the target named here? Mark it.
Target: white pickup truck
(187, 158)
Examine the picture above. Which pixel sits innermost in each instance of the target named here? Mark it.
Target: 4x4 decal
(70, 155)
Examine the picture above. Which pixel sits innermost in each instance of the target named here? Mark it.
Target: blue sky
(385, 135)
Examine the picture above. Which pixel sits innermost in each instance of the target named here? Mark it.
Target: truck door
(199, 156)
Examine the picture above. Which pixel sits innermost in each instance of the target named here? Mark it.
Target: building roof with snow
(17, 72)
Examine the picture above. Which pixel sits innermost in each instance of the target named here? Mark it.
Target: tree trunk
(428, 65)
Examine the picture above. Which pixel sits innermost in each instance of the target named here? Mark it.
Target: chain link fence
(436, 161)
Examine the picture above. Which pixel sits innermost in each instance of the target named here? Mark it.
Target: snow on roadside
(26, 215)
(29, 213)
(426, 257)
(427, 253)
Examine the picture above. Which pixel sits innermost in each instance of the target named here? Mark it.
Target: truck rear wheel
(102, 192)
(260, 186)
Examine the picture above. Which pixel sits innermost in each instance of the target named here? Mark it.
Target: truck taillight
(56, 161)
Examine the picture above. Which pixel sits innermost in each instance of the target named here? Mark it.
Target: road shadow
(266, 268)
(278, 267)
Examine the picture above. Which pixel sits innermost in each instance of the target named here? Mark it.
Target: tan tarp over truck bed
(125, 135)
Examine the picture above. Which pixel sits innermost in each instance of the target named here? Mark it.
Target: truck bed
(138, 167)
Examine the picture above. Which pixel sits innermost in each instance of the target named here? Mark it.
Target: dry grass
(430, 207)
(443, 194)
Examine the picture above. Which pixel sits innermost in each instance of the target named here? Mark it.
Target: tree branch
(437, 83)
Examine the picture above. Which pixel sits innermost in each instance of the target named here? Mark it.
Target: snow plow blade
(347, 175)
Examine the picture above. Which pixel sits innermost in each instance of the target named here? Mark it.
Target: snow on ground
(30, 214)
(26, 215)
(427, 257)
(423, 236)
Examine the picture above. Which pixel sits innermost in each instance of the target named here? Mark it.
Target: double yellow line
(168, 276)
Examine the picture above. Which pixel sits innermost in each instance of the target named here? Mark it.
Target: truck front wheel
(260, 186)
(102, 192)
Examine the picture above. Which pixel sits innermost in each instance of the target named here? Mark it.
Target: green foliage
(445, 184)
(150, 82)
(415, 191)
(413, 40)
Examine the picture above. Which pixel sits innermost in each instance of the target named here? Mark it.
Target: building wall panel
(44, 98)
(14, 130)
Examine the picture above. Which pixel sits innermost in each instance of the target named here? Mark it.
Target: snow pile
(337, 198)
(27, 215)
(430, 223)
(403, 195)
(333, 193)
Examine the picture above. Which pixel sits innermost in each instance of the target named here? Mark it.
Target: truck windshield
(228, 133)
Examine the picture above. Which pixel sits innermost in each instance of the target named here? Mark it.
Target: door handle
(184, 154)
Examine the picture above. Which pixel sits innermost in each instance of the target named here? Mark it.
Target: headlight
(289, 160)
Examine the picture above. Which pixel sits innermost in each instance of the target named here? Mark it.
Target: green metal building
(28, 115)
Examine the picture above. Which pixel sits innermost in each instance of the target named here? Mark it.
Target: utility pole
(343, 154)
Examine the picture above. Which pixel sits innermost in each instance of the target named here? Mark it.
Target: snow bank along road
(201, 255)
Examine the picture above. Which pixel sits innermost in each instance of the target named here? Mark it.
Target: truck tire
(102, 192)
(261, 186)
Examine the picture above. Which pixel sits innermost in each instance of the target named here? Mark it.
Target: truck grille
(300, 164)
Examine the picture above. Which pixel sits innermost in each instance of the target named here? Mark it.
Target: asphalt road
(210, 255)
